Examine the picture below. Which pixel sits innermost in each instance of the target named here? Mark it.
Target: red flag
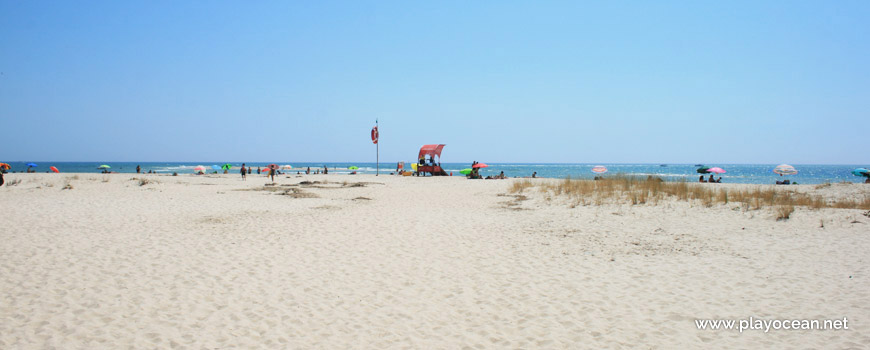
(375, 135)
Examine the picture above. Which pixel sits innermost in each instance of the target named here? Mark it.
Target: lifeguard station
(430, 166)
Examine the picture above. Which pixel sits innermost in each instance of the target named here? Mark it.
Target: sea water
(735, 173)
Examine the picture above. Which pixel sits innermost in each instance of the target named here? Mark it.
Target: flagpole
(378, 152)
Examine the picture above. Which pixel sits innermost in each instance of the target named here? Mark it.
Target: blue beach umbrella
(216, 167)
(861, 172)
(31, 164)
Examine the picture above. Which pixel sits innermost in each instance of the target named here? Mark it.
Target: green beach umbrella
(465, 171)
(703, 170)
(104, 167)
(353, 167)
(227, 166)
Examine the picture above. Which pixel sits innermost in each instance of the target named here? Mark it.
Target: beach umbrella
(353, 167)
(216, 167)
(465, 171)
(599, 169)
(227, 166)
(716, 170)
(480, 165)
(861, 172)
(54, 169)
(199, 168)
(785, 169)
(103, 167)
(5, 166)
(703, 170)
(287, 167)
(273, 166)
(31, 164)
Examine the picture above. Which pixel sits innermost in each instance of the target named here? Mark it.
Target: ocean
(735, 173)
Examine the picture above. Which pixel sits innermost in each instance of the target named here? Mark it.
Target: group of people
(499, 176)
(317, 171)
(272, 172)
(475, 171)
(711, 180)
(430, 162)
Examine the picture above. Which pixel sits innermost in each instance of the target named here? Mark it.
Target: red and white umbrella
(287, 167)
(199, 168)
(599, 169)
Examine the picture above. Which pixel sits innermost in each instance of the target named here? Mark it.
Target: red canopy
(431, 151)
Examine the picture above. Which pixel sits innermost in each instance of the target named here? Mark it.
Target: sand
(194, 262)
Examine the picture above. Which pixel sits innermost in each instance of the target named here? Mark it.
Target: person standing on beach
(138, 169)
(244, 171)
(325, 170)
(272, 174)
(1, 179)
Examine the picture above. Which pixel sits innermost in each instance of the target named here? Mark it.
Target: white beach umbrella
(785, 169)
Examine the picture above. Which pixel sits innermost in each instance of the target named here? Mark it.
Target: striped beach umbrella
(599, 169)
(199, 169)
(286, 167)
(785, 169)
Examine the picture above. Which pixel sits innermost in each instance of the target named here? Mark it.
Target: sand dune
(193, 262)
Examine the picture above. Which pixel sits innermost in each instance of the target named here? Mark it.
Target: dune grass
(650, 190)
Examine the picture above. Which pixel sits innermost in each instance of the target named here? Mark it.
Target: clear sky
(497, 81)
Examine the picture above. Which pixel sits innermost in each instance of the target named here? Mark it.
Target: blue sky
(497, 81)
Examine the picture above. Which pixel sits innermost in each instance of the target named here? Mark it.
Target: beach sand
(194, 262)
